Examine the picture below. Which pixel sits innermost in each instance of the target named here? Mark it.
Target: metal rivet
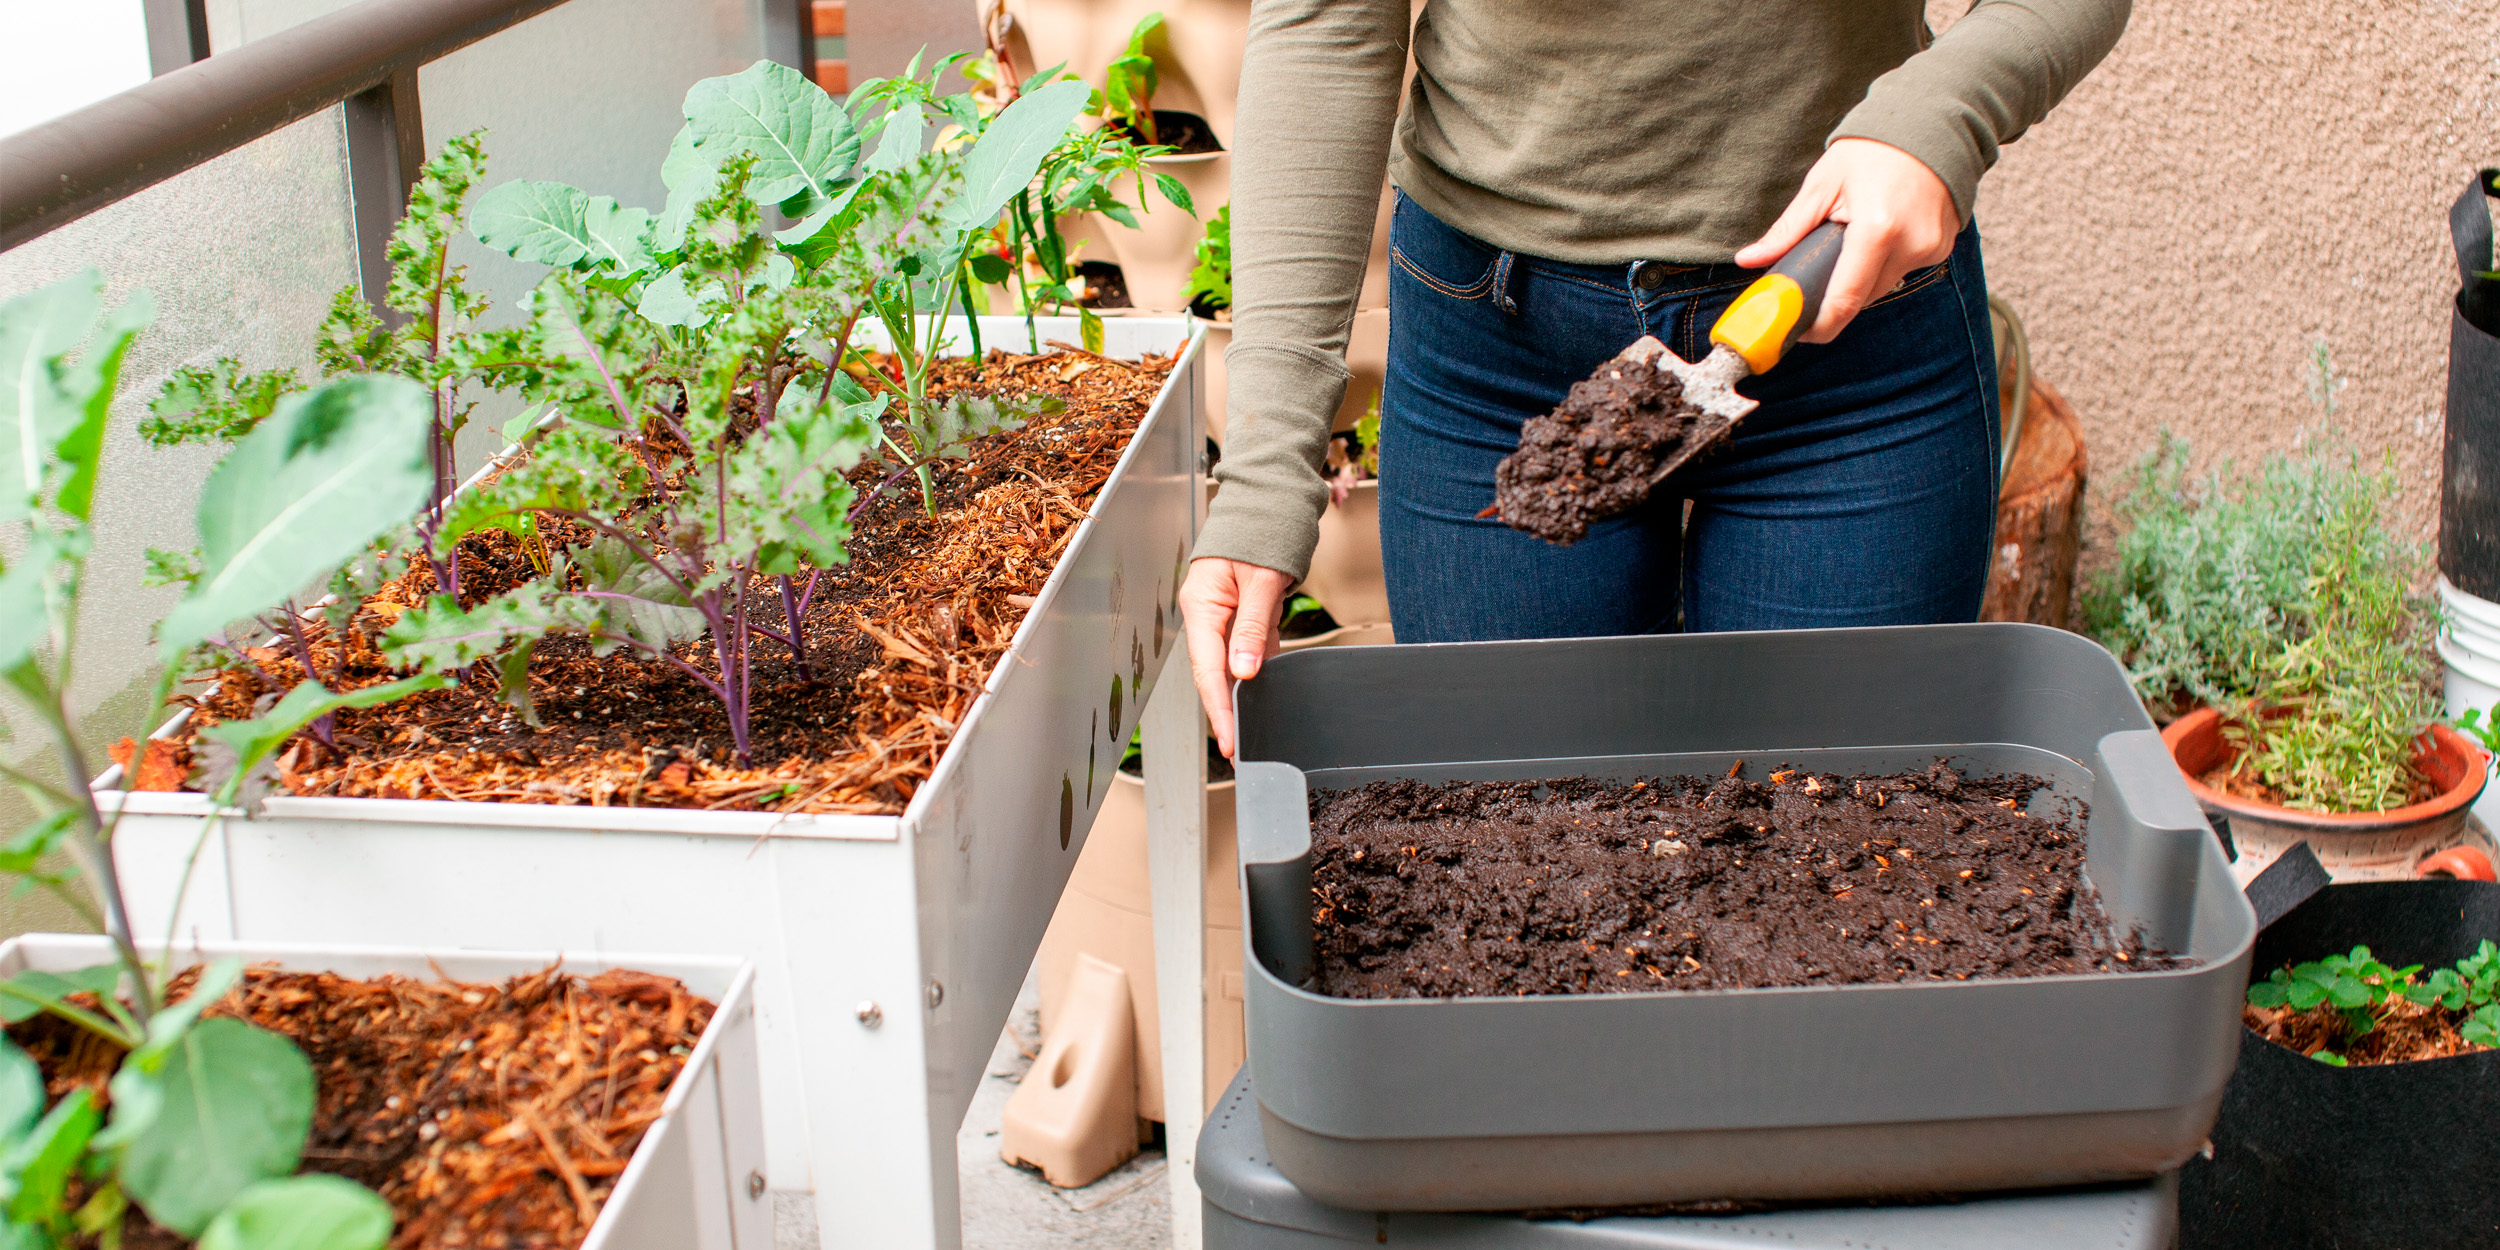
(755, 1184)
(937, 993)
(1649, 275)
(870, 1014)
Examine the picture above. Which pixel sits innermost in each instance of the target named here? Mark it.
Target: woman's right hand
(1229, 613)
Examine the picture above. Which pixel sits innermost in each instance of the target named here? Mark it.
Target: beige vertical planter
(1107, 912)
(1345, 571)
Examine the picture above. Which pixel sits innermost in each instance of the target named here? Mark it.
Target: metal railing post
(177, 34)
(385, 152)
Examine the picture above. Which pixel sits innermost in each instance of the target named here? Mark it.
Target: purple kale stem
(324, 724)
(791, 609)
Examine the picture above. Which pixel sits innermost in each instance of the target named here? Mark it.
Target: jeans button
(1649, 275)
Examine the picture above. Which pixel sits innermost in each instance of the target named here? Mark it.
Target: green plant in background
(2282, 589)
(1129, 83)
(2359, 987)
(1211, 279)
(208, 1117)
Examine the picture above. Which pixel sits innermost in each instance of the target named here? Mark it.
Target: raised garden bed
(1592, 886)
(489, 1098)
(1798, 1091)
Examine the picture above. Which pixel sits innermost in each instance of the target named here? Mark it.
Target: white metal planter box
(686, 1187)
(888, 949)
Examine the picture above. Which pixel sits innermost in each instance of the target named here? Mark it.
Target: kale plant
(688, 423)
(208, 1117)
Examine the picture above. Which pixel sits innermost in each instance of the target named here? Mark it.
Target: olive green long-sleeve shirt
(1593, 131)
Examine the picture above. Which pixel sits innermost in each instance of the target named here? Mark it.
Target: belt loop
(1501, 285)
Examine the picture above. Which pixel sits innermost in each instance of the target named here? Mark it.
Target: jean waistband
(1671, 277)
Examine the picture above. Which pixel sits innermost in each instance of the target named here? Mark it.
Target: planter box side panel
(684, 1188)
(998, 829)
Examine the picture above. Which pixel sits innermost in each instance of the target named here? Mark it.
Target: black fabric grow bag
(2389, 1157)
(2469, 498)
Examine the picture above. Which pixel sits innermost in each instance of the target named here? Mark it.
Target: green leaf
(309, 1212)
(618, 235)
(668, 302)
(44, 1159)
(1089, 329)
(692, 175)
(2348, 993)
(990, 268)
(52, 410)
(802, 139)
(251, 741)
(27, 585)
(217, 403)
(2331, 1059)
(441, 636)
(233, 1105)
(2483, 1027)
(540, 222)
(2306, 994)
(1011, 151)
(325, 475)
(21, 1093)
(1174, 191)
(900, 144)
(53, 987)
(652, 611)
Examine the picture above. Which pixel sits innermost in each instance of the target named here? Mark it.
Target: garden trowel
(1622, 432)
(1747, 339)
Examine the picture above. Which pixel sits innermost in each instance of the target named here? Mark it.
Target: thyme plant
(2276, 592)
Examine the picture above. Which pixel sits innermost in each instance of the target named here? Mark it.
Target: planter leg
(1176, 854)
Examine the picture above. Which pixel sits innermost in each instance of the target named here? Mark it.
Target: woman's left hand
(1900, 218)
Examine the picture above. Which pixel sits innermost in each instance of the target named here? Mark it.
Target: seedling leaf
(308, 1212)
(325, 475)
(233, 1104)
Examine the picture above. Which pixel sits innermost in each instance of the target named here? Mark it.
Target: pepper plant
(208, 1116)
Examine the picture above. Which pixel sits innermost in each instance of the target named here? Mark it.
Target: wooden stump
(2031, 570)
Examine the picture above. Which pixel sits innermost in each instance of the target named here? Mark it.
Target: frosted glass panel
(241, 256)
(587, 93)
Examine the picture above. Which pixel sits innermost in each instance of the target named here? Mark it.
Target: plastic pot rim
(2456, 798)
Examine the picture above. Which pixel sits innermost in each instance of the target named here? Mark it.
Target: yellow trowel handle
(1780, 304)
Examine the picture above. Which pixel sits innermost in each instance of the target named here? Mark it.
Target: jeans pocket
(1439, 257)
(1914, 281)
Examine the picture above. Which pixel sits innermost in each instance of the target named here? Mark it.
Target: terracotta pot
(2354, 846)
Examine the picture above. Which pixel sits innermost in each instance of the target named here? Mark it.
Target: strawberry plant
(2358, 988)
(208, 1117)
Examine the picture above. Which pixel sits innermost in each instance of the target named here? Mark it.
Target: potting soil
(899, 641)
(1579, 886)
(1596, 455)
(2401, 1032)
(486, 1115)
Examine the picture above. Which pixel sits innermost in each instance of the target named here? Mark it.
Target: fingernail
(1244, 664)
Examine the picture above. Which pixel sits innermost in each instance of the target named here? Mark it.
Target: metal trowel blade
(1709, 386)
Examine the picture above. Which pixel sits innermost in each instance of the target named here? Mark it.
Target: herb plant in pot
(797, 618)
(326, 1097)
(2272, 619)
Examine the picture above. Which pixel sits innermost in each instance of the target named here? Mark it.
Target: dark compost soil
(1596, 456)
(488, 1116)
(900, 641)
(1186, 132)
(1588, 886)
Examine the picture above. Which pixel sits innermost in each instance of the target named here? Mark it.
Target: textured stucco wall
(2239, 181)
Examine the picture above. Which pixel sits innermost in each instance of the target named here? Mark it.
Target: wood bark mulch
(490, 1117)
(901, 641)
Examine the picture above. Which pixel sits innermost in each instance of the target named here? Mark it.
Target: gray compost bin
(1821, 1092)
(1247, 1204)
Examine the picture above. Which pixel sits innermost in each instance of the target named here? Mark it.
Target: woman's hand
(1228, 612)
(1900, 218)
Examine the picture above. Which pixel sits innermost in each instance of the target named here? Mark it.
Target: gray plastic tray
(1249, 1205)
(1599, 1100)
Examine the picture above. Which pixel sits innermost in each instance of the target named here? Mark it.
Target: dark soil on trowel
(899, 640)
(1582, 886)
(486, 1115)
(1598, 455)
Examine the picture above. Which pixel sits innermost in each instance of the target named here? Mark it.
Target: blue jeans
(1861, 492)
